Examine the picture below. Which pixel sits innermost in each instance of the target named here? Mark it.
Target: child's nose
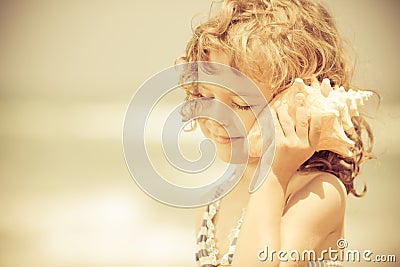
(215, 126)
(220, 113)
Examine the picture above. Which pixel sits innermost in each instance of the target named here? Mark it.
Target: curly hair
(279, 41)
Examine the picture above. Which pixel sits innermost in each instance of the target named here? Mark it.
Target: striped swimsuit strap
(208, 254)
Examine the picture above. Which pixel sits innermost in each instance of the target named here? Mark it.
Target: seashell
(335, 106)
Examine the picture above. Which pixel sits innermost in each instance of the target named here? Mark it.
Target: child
(301, 204)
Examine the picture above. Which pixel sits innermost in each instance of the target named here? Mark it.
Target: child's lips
(223, 139)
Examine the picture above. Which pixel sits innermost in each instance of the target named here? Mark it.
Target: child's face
(245, 103)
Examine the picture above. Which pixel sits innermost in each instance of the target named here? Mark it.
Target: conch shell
(335, 106)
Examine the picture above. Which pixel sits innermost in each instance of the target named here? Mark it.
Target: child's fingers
(315, 128)
(277, 126)
(285, 120)
(301, 118)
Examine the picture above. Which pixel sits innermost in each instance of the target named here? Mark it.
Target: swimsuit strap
(207, 252)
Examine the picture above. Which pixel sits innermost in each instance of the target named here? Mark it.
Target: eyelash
(235, 105)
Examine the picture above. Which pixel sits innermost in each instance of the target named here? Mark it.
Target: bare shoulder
(316, 205)
(326, 184)
(320, 189)
(315, 182)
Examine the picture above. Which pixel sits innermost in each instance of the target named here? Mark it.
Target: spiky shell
(335, 107)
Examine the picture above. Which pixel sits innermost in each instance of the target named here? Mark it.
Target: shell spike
(326, 87)
(299, 85)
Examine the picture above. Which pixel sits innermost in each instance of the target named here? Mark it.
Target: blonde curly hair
(279, 41)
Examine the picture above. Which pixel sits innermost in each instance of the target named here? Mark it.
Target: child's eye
(236, 105)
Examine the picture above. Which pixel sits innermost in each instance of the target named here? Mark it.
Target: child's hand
(295, 140)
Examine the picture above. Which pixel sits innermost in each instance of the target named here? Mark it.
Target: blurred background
(68, 70)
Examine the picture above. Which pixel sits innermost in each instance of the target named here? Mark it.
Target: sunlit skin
(214, 130)
(276, 212)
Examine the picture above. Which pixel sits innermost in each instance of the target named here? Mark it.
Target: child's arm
(263, 223)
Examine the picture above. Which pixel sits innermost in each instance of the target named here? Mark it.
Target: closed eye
(233, 103)
(241, 107)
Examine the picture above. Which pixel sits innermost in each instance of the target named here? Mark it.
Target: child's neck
(249, 172)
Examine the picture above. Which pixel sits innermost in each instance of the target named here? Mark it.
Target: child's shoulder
(321, 184)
